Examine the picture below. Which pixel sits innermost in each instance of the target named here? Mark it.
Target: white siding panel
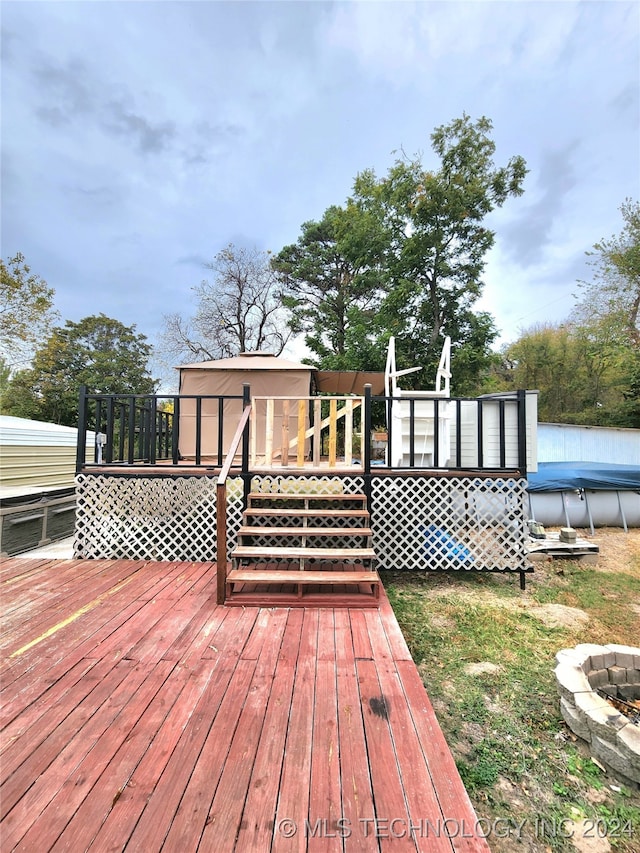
(569, 443)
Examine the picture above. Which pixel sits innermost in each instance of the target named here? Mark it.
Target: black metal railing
(481, 434)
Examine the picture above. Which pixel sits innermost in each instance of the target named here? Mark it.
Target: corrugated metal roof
(24, 432)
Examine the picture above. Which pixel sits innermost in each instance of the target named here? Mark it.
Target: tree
(99, 352)
(332, 286)
(608, 313)
(405, 257)
(616, 285)
(26, 309)
(239, 310)
(437, 240)
(579, 370)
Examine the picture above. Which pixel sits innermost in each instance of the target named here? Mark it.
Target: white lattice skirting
(418, 523)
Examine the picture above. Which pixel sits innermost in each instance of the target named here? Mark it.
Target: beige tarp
(267, 376)
(348, 382)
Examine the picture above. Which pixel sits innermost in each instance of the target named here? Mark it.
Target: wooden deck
(138, 715)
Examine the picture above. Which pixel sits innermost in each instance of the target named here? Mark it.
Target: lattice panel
(163, 518)
(459, 523)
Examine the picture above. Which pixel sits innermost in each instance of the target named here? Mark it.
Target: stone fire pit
(614, 738)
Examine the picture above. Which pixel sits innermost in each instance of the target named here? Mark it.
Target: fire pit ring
(583, 675)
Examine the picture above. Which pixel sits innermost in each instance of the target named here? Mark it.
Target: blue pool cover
(563, 476)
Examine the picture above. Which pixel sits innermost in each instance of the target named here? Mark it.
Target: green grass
(514, 752)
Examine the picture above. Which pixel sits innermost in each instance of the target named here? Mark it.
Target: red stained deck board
(325, 801)
(163, 801)
(124, 813)
(453, 798)
(226, 809)
(228, 721)
(72, 627)
(160, 811)
(293, 799)
(257, 823)
(59, 755)
(197, 632)
(43, 614)
(357, 795)
(99, 792)
(51, 701)
(360, 636)
(130, 707)
(388, 791)
(194, 813)
(413, 771)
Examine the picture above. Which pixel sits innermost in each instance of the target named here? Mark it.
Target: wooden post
(221, 541)
(302, 411)
(285, 432)
(333, 430)
(268, 440)
(317, 427)
(348, 433)
(366, 438)
(522, 432)
(246, 400)
(254, 433)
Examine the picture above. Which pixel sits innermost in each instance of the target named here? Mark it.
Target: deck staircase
(308, 549)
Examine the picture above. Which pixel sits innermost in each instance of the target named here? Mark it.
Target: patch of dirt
(560, 616)
(482, 668)
(584, 837)
(619, 551)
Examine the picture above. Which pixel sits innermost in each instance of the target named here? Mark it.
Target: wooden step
(251, 552)
(304, 577)
(297, 532)
(280, 573)
(302, 512)
(307, 496)
(300, 580)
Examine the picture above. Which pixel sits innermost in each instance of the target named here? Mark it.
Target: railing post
(175, 433)
(367, 429)
(82, 429)
(246, 476)
(366, 438)
(108, 451)
(198, 430)
(522, 432)
(480, 435)
(153, 430)
(221, 541)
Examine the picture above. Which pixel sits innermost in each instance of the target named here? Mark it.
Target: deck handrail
(139, 430)
(221, 501)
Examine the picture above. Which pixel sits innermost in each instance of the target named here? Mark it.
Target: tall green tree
(405, 257)
(579, 370)
(615, 288)
(98, 351)
(608, 316)
(438, 240)
(332, 285)
(26, 310)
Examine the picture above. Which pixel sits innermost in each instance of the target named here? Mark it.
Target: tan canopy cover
(267, 376)
(348, 382)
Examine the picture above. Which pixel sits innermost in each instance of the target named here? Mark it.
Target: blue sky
(140, 138)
